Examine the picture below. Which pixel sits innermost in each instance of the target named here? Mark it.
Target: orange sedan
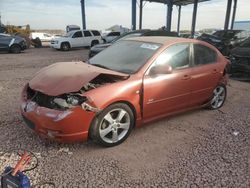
(133, 82)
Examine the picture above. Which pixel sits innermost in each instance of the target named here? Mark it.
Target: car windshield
(69, 34)
(125, 56)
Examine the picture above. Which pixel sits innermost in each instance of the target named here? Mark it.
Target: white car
(75, 39)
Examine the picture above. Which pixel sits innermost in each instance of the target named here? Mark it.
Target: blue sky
(101, 14)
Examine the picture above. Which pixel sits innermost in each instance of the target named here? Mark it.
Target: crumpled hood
(65, 77)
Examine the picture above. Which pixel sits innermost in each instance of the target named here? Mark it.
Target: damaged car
(13, 44)
(225, 40)
(240, 61)
(105, 98)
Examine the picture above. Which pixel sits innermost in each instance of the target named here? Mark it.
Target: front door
(168, 93)
(76, 40)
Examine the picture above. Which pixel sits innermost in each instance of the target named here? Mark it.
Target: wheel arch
(130, 105)
(15, 44)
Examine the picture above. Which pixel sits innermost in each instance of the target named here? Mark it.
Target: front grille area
(42, 99)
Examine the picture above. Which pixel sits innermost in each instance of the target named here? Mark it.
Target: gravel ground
(199, 148)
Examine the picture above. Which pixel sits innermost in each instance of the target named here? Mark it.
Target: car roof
(161, 40)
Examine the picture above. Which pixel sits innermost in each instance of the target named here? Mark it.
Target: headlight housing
(69, 101)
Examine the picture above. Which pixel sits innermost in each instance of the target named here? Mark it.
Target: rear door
(164, 94)
(87, 38)
(205, 73)
(76, 40)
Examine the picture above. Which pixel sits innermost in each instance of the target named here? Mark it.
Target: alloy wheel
(115, 125)
(219, 97)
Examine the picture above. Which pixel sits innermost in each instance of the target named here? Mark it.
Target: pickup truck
(76, 39)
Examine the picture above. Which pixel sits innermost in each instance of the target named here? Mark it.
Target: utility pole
(0, 19)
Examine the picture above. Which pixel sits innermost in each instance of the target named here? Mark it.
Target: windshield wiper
(102, 66)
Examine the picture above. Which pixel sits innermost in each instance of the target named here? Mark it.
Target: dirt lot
(200, 148)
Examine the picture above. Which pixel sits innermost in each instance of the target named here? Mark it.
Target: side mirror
(161, 69)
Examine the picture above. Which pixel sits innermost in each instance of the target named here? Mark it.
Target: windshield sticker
(149, 46)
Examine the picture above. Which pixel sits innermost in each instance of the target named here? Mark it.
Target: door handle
(186, 77)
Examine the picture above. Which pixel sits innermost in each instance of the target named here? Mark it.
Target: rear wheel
(113, 125)
(15, 49)
(65, 46)
(219, 97)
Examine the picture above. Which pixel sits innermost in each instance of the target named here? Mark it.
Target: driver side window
(77, 34)
(176, 56)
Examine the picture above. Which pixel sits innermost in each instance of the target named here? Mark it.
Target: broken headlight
(69, 101)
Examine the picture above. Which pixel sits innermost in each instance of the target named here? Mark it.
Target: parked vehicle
(132, 82)
(13, 44)
(146, 32)
(240, 61)
(225, 40)
(110, 36)
(76, 39)
(44, 37)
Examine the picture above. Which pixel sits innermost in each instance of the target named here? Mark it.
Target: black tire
(16, 49)
(212, 104)
(65, 46)
(99, 122)
(94, 42)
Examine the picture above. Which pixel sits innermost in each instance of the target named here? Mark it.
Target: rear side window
(177, 56)
(87, 34)
(204, 55)
(77, 34)
(96, 33)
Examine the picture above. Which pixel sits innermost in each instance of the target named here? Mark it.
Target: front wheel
(113, 125)
(16, 49)
(219, 97)
(65, 46)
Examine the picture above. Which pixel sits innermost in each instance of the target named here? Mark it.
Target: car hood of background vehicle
(66, 77)
(208, 37)
(61, 38)
(100, 46)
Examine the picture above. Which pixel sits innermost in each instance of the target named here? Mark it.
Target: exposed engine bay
(100, 80)
(73, 99)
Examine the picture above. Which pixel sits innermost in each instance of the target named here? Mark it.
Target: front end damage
(65, 117)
